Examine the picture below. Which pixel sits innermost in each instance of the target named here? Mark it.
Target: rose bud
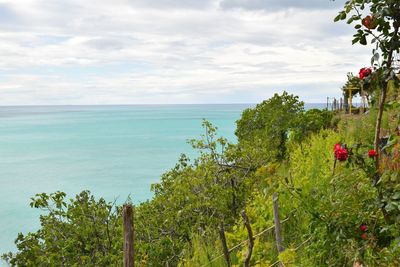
(363, 227)
(372, 153)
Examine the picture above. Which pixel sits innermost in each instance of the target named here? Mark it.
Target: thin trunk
(380, 111)
(378, 129)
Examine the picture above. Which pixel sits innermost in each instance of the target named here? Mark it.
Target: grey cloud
(107, 43)
(172, 4)
(273, 5)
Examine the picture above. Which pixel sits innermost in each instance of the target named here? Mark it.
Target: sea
(115, 152)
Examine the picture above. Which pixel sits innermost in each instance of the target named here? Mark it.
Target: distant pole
(327, 102)
(127, 214)
(351, 99)
(277, 222)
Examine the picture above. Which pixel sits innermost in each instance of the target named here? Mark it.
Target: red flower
(369, 22)
(340, 152)
(372, 153)
(363, 227)
(364, 236)
(365, 72)
(336, 147)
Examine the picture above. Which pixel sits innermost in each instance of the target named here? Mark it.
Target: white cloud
(281, 4)
(103, 52)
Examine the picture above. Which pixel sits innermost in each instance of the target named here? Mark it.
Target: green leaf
(396, 195)
(350, 20)
(390, 207)
(355, 40)
(363, 40)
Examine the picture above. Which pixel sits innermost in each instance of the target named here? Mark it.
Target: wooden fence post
(251, 239)
(127, 214)
(277, 222)
(224, 245)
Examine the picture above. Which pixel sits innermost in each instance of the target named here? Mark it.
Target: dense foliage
(79, 232)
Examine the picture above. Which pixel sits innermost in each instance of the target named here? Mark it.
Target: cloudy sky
(171, 51)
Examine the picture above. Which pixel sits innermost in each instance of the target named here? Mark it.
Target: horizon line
(152, 104)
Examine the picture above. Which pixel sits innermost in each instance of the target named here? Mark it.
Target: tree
(81, 232)
(270, 121)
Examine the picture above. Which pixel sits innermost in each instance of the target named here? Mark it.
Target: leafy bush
(79, 232)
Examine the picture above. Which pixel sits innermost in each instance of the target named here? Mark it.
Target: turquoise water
(113, 151)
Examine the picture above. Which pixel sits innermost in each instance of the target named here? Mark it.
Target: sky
(75, 52)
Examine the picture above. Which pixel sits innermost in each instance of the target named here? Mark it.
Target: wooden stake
(277, 222)
(127, 214)
(251, 238)
(224, 245)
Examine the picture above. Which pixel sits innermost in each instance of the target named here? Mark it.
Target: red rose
(364, 72)
(361, 73)
(369, 22)
(364, 236)
(372, 153)
(363, 227)
(341, 154)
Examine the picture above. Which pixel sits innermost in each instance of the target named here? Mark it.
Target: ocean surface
(113, 151)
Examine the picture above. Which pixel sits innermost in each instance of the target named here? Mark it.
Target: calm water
(113, 151)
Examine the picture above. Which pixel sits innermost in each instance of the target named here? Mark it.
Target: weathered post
(278, 237)
(224, 245)
(250, 245)
(127, 215)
